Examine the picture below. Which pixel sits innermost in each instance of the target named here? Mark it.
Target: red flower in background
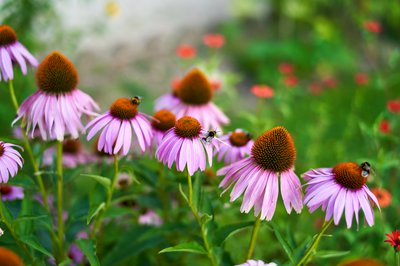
(262, 91)
(383, 196)
(315, 88)
(286, 68)
(361, 79)
(175, 83)
(394, 240)
(290, 81)
(214, 40)
(330, 82)
(216, 84)
(384, 126)
(186, 51)
(393, 106)
(373, 26)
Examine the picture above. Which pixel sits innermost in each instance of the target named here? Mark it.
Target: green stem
(163, 194)
(99, 217)
(13, 234)
(314, 244)
(60, 219)
(254, 235)
(28, 149)
(396, 258)
(198, 219)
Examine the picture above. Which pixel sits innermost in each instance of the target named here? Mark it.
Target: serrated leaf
(104, 181)
(285, 245)
(191, 247)
(88, 248)
(94, 211)
(33, 243)
(325, 254)
(228, 230)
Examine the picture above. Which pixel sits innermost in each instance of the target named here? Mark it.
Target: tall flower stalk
(60, 185)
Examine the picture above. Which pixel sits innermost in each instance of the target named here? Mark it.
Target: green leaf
(32, 242)
(205, 218)
(104, 181)
(65, 262)
(88, 248)
(228, 230)
(183, 193)
(325, 254)
(191, 247)
(94, 211)
(7, 214)
(285, 245)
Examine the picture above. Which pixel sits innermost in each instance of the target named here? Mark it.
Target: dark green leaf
(104, 181)
(325, 254)
(88, 248)
(183, 193)
(228, 230)
(285, 245)
(191, 247)
(32, 242)
(94, 211)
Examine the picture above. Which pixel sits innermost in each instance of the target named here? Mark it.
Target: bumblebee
(365, 169)
(249, 135)
(208, 137)
(136, 100)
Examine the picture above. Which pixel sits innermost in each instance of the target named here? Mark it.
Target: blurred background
(334, 67)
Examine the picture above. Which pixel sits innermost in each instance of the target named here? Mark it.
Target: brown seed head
(239, 139)
(187, 127)
(9, 258)
(72, 146)
(274, 150)
(56, 74)
(349, 175)
(5, 189)
(1, 149)
(195, 88)
(165, 120)
(124, 109)
(7, 35)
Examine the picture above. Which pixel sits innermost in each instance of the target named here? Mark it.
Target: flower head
(195, 93)
(169, 99)
(393, 106)
(184, 145)
(286, 68)
(384, 126)
(11, 192)
(340, 189)
(383, 196)
(394, 240)
(330, 82)
(262, 91)
(214, 40)
(361, 79)
(257, 263)
(123, 180)
(117, 126)
(290, 81)
(12, 51)
(57, 106)
(9, 258)
(163, 121)
(186, 51)
(272, 154)
(239, 146)
(315, 88)
(10, 159)
(150, 217)
(373, 26)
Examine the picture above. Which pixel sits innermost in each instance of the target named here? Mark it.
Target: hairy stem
(254, 235)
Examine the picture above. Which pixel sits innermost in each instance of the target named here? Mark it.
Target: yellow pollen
(164, 120)
(239, 139)
(124, 108)
(348, 175)
(187, 127)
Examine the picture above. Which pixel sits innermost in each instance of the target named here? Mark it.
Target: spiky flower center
(5, 189)
(187, 127)
(9, 258)
(164, 120)
(239, 139)
(7, 35)
(124, 109)
(72, 146)
(195, 88)
(274, 150)
(56, 74)
(349, 175)
(1, 149)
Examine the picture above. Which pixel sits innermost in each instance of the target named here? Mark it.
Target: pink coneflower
(11, 192)
(117, 125)
(169, 99)
(57, 106)
(262, 91)
(272, 154)
(393, 106)
(239, 146)
(257, 263)
(123, 180)
(373, 26)
(186, 51)
(340, 189)
(383, 196)
(286, 68)
(384, 126)
(361, 79)
(73, 154)
(394, 240)
(12, 51)
(184, 145)
(195, 94)
(10, 159)
(290, 81)
(214, 40)
(163, 121)
(150, 218)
